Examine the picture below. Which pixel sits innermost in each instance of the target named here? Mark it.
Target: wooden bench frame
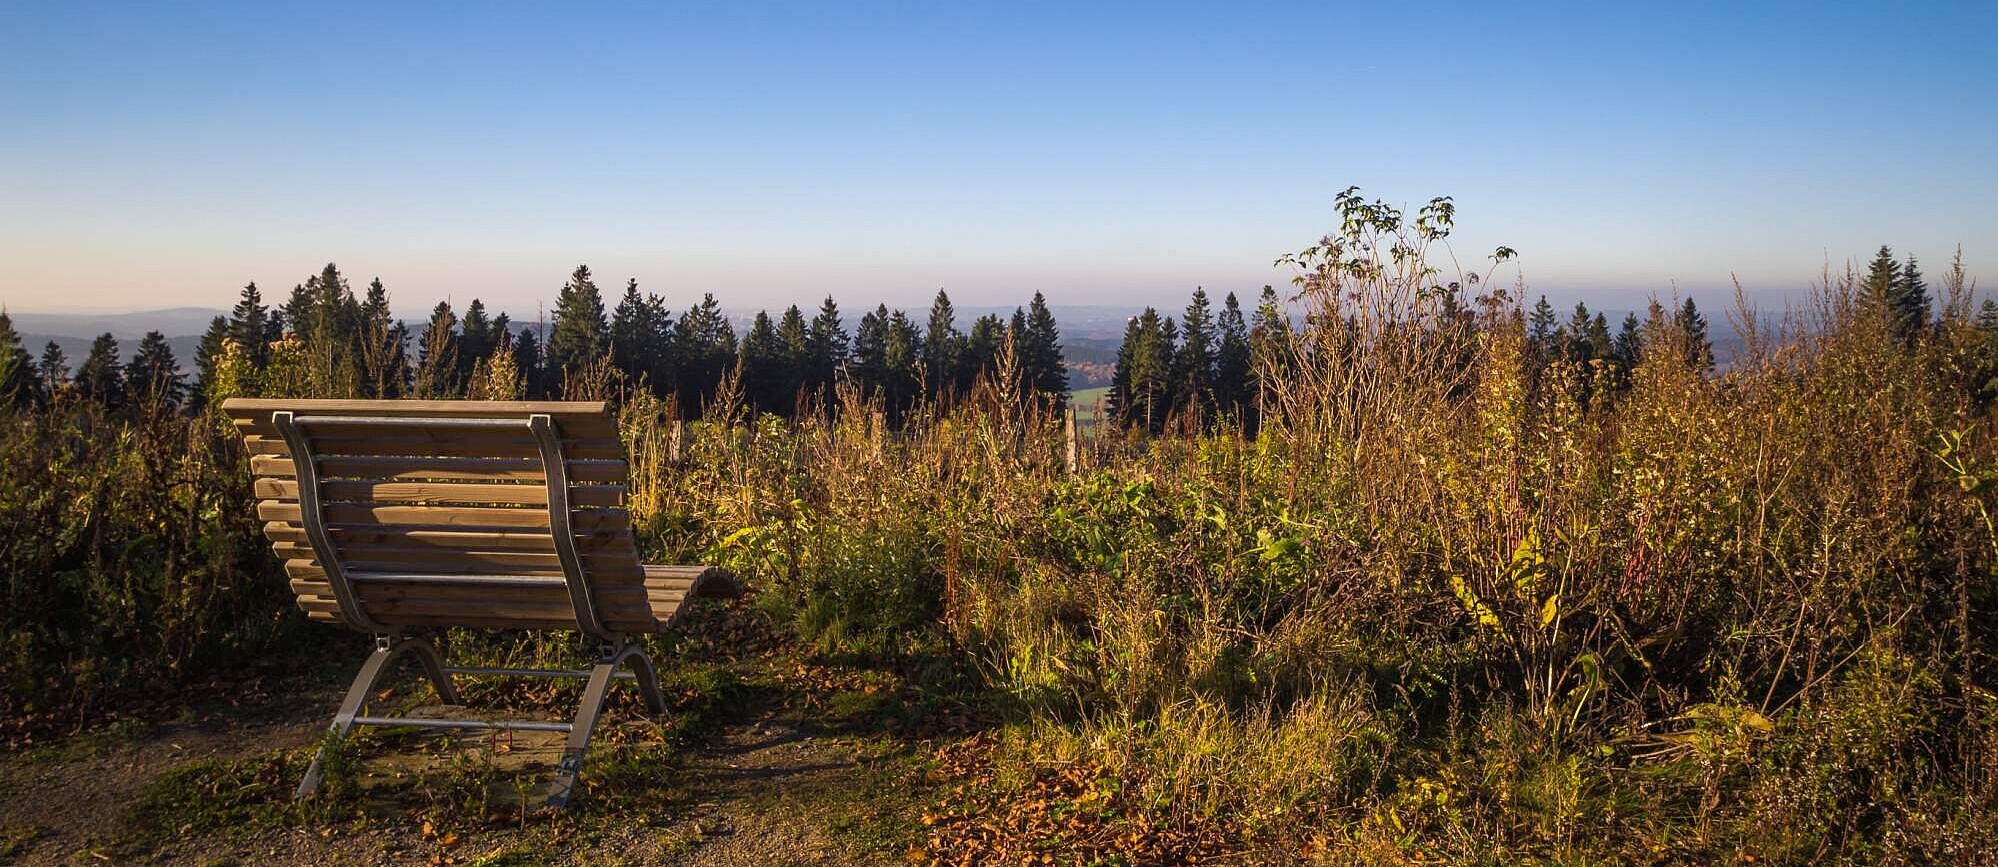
(615, 649)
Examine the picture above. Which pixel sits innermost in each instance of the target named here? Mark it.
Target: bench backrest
(442, 513)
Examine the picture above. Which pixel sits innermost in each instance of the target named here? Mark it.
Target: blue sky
(152, 156)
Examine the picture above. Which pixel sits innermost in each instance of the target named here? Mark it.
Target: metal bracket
(306, 469)
(555, 469)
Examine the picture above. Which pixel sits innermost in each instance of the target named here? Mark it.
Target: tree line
(1202, 371)
(327, 341)
(1199, 370)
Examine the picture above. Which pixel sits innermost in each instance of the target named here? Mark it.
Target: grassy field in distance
(1086, 401)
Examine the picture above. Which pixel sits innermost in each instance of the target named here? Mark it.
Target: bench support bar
(612, 658)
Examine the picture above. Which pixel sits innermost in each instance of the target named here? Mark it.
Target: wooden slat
(580, 496)
(497, 518)
(465, 447)
(600, 573)
(445, 613)
(573, 418)
(530, 602)
(668, 585)
(608, 597)
(605, 541)
(478, 469)
(476, 622)
(472, 560)
(447, 540)
(703, 580)
(240, 407)
(465, 622)
(412, 429)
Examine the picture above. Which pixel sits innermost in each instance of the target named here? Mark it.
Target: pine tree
(1046, 370)
(213, 343)
(870, 351)
(795, 335)
(902, 351)
(19, 383)
(704, 344)
(437, 356)
(475, 339)
(634, 336)
(664, 361)
(331, 331)
(1119, 404)
(1577, 347)
(1909, 302)
(375, 304)
(527, 357)
(1629, 345)
(54, 369)
(1269, 331)
(981, 351)
(1600, 345)
(153, 377)
(1877, 290)
(1540, 329)
(1692, 326)
(826, 350)
(1233, 365)
(1153, 377)
(252, 325)
(1193, 365)
(295, 317)
(1270, 348)
(765, 375)
(1143, 382)
(580, 330)
(400, 379)
(384, 367)
(99, 378)
(942, 347)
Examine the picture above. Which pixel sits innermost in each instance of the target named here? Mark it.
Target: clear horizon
(156, 158)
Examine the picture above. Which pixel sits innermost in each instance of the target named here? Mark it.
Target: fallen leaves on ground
(1066, 814)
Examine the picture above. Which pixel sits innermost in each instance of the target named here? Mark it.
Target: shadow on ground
(760, 760)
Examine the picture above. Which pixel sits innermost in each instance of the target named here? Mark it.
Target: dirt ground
(772, 780)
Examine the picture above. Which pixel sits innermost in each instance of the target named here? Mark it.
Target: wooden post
(673, 447)
(1074, 450)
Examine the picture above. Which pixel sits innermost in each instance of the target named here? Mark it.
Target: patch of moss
(217, 797)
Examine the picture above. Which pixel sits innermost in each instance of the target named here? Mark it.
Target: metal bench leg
(601, 675)
(432, 659)
(648, 680)
(385, 652)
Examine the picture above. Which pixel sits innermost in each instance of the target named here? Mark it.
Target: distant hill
(170, 321)
(183, 327)
(76, 347)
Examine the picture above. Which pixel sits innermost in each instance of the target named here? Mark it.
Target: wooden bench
(402, 518)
